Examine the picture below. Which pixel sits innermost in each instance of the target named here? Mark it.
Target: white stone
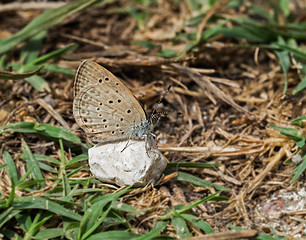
(127, 162)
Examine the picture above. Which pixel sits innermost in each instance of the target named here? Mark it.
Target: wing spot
(100, 104)
(128, 111)
(117, 91)
(106, 79)
(105, 126)
(113, 132)
(122, 133)
(110, 102)
(98, 109)
(121, 119)
(85, 120)
(117, 125)
(100, 80)
(117, 84)
(104, 120)
(119, 100)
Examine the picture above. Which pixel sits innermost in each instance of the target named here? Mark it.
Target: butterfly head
(140, 131)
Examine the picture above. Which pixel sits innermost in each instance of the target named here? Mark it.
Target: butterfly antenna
(156, 105)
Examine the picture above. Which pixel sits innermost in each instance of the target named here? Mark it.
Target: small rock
(130, 162)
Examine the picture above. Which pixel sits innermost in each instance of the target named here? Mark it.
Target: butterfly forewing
(103, 106)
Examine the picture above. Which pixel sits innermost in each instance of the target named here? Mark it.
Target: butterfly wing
(91, 73)
(103, 106)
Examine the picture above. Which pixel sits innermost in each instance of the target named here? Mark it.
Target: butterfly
(105, 108)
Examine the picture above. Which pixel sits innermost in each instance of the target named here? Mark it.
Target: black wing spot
(100, 104)
(121, 119)
(100, 80)
(128, 111)
(117, 125)
(98, 109)
(117, 84)
(85, 120)
(110, 101)
(104, 120)
(105, 126)
(106, 79)
(119, 100)
(113, 132)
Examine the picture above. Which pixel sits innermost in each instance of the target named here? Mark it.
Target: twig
(25, 6)
(209, 88)
(52, 112)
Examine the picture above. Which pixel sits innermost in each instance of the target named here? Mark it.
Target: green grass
(86, 212)
(296, 134)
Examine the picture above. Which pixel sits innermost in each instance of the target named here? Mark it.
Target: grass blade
(113, 235)
(10, 168)
(44, 22)
(7, 215)
(301, 86)
(92, 217)
(284, 60)
(32, 49)
(55, 54)
(298, 171)
(160, 226)
(198, 222)
(22, 203)
(181, 227)
(50, 233)
(192, 165)
(15, 76)
(38, 83)
(31, 161)
(199, 182)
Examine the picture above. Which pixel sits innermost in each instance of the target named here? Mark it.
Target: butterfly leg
(126, 145)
